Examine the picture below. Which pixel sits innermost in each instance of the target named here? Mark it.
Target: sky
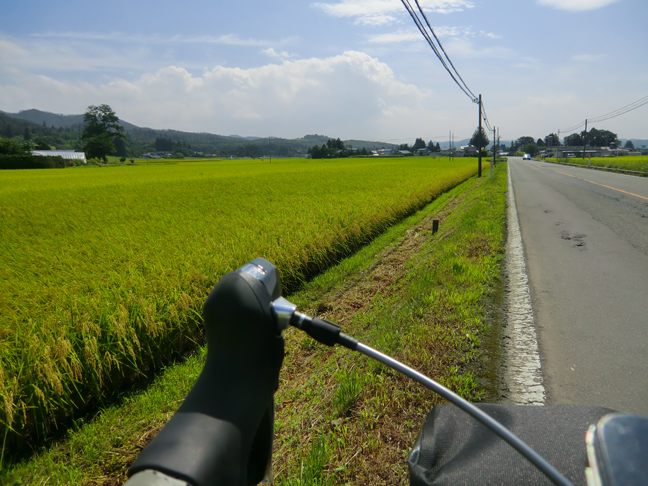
(353, 69)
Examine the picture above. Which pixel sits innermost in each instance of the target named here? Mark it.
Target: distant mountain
(49, 119)
(141, 140)
(636, 142)
(316, 139)
(245, 138)
(52, 119)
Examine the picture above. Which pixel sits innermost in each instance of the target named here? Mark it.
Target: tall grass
(103, 271)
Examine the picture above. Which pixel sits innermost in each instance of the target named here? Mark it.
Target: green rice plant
(434, 325)
(637, 163)
(103, 270)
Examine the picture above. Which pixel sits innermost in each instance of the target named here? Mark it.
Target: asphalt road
(585, 236)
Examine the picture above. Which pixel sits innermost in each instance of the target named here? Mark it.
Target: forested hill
(63, 132)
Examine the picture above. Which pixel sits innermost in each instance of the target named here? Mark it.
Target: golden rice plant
(103, 271)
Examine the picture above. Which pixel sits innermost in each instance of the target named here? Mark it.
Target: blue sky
(342, 68)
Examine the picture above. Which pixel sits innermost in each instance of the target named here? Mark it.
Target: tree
(629, 145)
(26, 134)
(41, 145)
(419, 143)
(101, 126)
(163, 144)
(10, 147)
(540, 142)
(552, 140)
(600, 138)
(531, 149)
(480, 138)
(120, 147)
(522, 141)
(574, 140)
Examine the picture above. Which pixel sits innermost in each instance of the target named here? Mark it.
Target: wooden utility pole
(493, 163)
(585, 139)
(480, 130)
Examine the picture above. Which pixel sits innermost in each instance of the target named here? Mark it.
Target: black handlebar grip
(223, 431)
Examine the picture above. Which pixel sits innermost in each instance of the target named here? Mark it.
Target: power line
(572, 129)
(621, 111)
(485, 118)
(444, 52)
(462, 85)
(608, 116)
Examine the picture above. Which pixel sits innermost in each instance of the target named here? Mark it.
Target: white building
(65, 154)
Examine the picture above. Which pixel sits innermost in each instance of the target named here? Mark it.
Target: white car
(526, 157)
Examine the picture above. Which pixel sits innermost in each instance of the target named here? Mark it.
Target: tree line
(17, 155)
(334, 149)
(419, 143)
(590, 138)
(136, 141)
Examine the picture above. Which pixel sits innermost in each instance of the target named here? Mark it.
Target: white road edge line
(523, 373)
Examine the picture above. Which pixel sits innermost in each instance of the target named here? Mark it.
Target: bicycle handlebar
(211, 440)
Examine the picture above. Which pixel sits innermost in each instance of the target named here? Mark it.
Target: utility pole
(494, 140)
(498, 140)
(480, 129)
(449, 143)
(585, 139)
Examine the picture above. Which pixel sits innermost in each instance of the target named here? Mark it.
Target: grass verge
(340, 418)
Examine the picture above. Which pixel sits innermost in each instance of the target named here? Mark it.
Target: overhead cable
(572, 129)
(485, 118)
(608, 116)
(621, 111)
(444, 52)
(462, 85)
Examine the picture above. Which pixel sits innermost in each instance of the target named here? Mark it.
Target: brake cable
(330, 334)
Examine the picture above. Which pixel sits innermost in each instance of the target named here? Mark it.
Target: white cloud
(379, 12)
(490, 35)
(462, 47)
(350, 93)
(413, 35)
(121, 37)
(589, 58)
(576, 5)
(283, 55)
(409, 35)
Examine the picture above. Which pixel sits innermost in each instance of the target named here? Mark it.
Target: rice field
(638, 163)
(103, 271)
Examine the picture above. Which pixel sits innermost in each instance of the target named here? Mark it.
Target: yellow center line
(602, 185)
(568, 175)
(620, 190)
